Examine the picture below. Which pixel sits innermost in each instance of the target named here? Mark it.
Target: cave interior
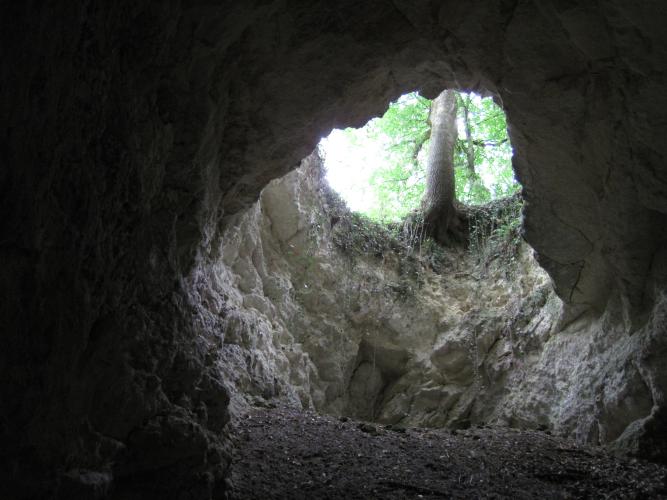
(138, 140)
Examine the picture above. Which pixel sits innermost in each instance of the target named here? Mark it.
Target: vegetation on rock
(494, 232)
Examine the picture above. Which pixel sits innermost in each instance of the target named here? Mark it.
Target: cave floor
(285, 453)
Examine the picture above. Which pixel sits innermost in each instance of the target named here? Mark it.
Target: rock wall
(327, 311)
(132, 132)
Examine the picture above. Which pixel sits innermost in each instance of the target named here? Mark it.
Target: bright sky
(350, 165)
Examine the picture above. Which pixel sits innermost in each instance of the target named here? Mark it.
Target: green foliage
(397, 185)
(495, 232)
(492, 151)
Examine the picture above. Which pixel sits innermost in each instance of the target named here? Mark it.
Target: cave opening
(374, 318)
(372, 181)
(382, 330)
(380, 169)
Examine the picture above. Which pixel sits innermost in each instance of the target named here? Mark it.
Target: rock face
(132, 134)
(332, 312)
(326, 313)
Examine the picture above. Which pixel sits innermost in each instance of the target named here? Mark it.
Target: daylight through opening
(380, 170)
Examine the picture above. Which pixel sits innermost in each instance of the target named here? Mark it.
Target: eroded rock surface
(325, 313)
(322, 310)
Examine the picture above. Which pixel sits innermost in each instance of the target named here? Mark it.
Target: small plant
(495, 231)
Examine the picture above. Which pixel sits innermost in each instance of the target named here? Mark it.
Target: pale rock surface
(382, 336)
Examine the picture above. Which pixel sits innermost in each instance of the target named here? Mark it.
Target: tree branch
(484, 144)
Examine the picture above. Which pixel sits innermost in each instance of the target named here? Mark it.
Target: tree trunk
(470, 148)
(438, 205)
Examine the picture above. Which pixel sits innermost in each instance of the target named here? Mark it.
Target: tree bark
(438, 204)
(470, 149)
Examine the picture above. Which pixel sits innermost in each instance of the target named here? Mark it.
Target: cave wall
(131, 132)
(329, 311)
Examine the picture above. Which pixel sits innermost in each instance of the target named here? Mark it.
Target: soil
(294, 454)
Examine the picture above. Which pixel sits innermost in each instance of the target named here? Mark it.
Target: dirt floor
(284, 453)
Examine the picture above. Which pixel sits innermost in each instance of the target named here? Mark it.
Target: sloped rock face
(329, 311)
(325, 313)
(131, 133)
